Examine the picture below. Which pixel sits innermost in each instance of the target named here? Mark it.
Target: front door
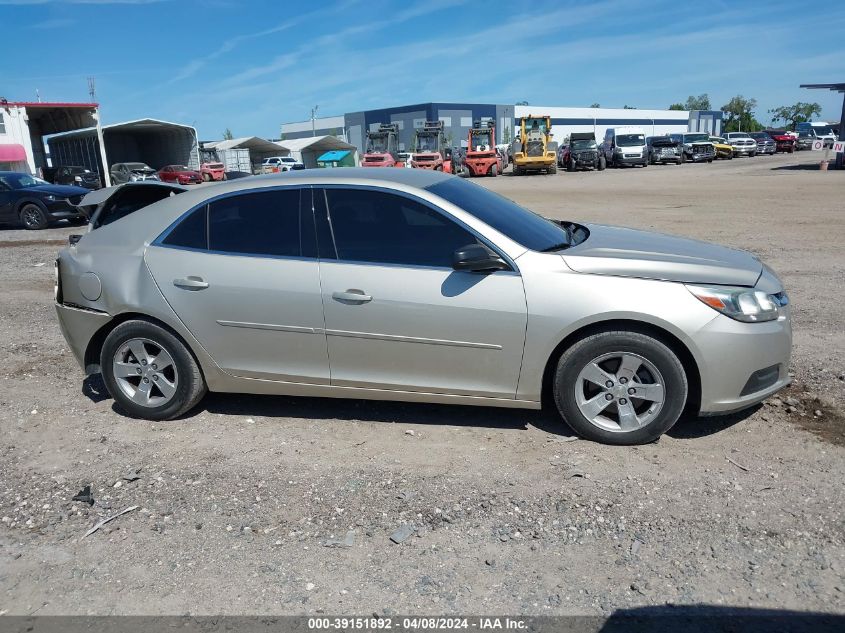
(238, 275)
(398, 316)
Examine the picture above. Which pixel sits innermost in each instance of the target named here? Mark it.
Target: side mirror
(477, 258)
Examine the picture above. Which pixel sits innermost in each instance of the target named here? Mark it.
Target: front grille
(373, 159)
(761, 379)
(584, 156)
(423, 159)
(75, 200)
(534, 148)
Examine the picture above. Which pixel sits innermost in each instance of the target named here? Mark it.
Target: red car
(783, 141)
(213, 171)
(179, 174)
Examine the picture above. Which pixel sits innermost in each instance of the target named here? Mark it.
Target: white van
(625, 146)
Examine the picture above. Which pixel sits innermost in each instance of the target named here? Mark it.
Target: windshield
(535, 124)
(696, 138)
(521, 225)
(630, 140)
(761, 135)
(584, 144)
(739, 135)
(377, 144)
(481, 137)
(181, 168)
(215, 165)
(288, 159)
(78, 170)
(822, 130)
(21, 181)
(427, 143)
(716, 139)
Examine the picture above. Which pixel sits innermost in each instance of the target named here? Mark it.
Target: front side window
(375, 226)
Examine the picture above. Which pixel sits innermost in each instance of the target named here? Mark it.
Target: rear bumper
(79, 326)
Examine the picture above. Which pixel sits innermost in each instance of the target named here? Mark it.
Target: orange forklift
(430, 151)
(383, 147)
(482, 159)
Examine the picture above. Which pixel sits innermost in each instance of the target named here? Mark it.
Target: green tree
(627, 107)
(739, 115)
(596, 105)
(701, 102)
(795, 114)
(521, 103)
(677, 106)
(227, 135)
(506, 134)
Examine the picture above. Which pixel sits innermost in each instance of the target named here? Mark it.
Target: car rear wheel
(620, 387)
(33, 217)
(149, 372)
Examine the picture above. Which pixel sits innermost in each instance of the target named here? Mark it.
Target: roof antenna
(92, 90)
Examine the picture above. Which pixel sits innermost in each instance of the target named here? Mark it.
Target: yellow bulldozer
(534, 150)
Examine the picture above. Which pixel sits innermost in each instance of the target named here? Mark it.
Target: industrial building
(458, 118)
(24, 125)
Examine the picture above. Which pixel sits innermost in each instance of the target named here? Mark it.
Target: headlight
(51, 198)
(741, 304)
(77, 178)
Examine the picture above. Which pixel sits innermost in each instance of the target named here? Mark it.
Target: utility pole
(313, 118)
(92, 92)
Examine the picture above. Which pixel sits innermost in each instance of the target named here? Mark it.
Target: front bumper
(62, 210)
(742, 363)
(629, 158)
(746, 150)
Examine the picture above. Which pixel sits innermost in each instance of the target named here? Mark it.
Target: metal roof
(135, 125)
(255, 143)
(837, 87)
(316, 143)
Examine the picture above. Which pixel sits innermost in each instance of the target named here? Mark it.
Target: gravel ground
(279, 505)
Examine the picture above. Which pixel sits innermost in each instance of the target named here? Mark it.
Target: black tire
(224, 176)
(645, 163)
(683, 158)
(553, 169)
(33, 217)
(190, 386)
(494, 170)
(709, 160)
(206, 177)
(602, 163)
(570, 166)
(579, 355)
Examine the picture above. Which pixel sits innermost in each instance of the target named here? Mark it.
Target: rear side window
(259, 223)
(191, 232)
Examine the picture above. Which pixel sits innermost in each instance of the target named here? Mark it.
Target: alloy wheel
(620, 391)
(145, 372)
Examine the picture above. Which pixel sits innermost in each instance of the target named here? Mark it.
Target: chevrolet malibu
(412, 285)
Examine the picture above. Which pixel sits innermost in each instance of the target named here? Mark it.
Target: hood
(143, 170)
(611, 250)
(65, 191)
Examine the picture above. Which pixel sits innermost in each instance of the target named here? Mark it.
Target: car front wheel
(620, 387)
(33, 217)
(149, 372)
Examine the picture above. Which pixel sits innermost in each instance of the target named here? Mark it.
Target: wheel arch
(19, 205)
(95, 344)
(661, 334)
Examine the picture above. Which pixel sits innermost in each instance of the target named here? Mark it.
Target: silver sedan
(400, 284)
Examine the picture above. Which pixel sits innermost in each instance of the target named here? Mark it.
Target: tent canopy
(254, 144)
(334, 155)
(309, 148)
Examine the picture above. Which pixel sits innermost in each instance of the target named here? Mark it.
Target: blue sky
(252, 65)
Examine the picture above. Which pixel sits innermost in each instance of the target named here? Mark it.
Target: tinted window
(521, 225)
(190, 232)
(260, 223)
(373, 226)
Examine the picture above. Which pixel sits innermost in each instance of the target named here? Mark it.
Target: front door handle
(352, 295)
(191, 283)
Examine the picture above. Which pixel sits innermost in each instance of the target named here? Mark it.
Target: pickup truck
(75, 175)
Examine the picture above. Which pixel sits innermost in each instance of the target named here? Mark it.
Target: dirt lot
(239, 503)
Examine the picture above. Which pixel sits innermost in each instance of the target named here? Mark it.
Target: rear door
(244, 279)
(398, 316)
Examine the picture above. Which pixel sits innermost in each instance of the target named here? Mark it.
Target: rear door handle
(352, 295)
(191, 283)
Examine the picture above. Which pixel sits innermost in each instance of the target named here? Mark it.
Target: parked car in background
(132, 172)
(722, 147)
(75, 175)
(180, 174)
(765, 143)
(804, 141)
(743, 145)
(277, 164)
(784, 141)
(818, 130)
(213, 171)
(624, 146)
(482, 301)
(663, 149)
(582, 153)
(696, 147)
(35, 203)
